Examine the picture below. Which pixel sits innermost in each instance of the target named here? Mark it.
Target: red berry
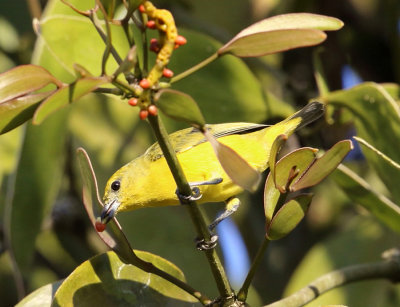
(141, 8)
(144, 83)
(152, 110)
(180, 40)
(100, 227)
(151, 24)
(168, 73)
(133, 102)
(154, 45)
(143, 114)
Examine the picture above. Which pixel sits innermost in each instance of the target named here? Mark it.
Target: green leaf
(106, 281)
(323, 166)
(72, 46)
(241, 172)
(66, 95)
(41, 297)
(275, 148)
(226, 90)
(24, 79)
(288, 217)
(280, 33)
(377, 121)
(35, 186)
(19, 110)
(180, 106)
(299, 161)
(359, 191)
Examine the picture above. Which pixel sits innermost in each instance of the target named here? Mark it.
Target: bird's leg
(196, 195)
(232, 204)
(201, 244)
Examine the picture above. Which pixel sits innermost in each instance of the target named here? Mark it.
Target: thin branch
(194, 68)
(387, 269)
(242, 294)
(197, 218)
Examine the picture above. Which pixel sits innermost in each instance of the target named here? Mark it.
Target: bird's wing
(185, 139)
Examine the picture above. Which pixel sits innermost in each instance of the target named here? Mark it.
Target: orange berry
(141, 8)
(143, 114)
(133, 102)
(144, 83)
(168, 73)
(152, 110)
(151, 24)
(100, 227)
(154, 45)
(180, 40)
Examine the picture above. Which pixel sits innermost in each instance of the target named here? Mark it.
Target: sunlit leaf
(88, 48)
(323, 166)
(41, 297)
(298, 161)
(264, 43)
(106, 281)
(377, 120)
(24, 79)
(180, 106)
(288, 216)
(66, 95)
(19, 110)
(280, 33)
(235, 166)
(359, 191)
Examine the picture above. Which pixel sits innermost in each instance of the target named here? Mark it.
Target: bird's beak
(109, 211)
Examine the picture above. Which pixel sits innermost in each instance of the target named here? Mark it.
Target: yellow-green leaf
(323, 166)
(180, 106)
(106, 281)
(288, 217)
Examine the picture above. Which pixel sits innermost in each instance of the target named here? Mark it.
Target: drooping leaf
(19, 110)
(362, 193)
(298, 160)
(323, 166)
(288, 217)
(377, 121)
(66, 95)
(234, 165)
(112, 235)
(280, 33)
(41, 297)
(106, 281)
(180, 106)
(24, 79)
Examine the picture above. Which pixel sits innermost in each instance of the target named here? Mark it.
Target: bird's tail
(308, 114)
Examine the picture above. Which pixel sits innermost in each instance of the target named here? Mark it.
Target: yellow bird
(147, 181)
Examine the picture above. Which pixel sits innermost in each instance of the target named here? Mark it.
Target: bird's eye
(115, 185)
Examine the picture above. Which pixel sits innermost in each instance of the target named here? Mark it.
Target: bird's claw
(202, 244)
(185, 199)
